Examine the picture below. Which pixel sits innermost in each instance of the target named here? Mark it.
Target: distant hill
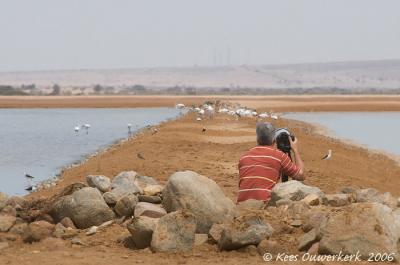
(380, 75)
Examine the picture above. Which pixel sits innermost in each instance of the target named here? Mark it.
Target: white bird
(180, 106)
(263, 115)
(86, 126)
(129, 128)
(274, 117)
(328, 156)
(76, 129)
(201, 112)
(198, 119)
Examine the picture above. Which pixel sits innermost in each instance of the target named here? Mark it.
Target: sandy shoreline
(274, 103)
(181, 145)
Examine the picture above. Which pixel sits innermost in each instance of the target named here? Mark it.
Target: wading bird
(129, 128)
(328, 156)
(76, 129)
(86, 126)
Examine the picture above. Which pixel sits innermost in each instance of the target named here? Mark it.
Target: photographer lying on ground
(261, 167)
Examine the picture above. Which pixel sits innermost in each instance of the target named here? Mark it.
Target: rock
(69, 233)
(348, 190)
(8, 210)
(270, 246)
(200, 239)
(293, 190)
(372, 195)
(296, 223)
(149, 210)
(141, 229)
(174, 232)
(126, 205)
(312, 199)
(91, 231)
(245, 230)
(362, 227)
(19, 229)
(77, 241)
(126, 181)
(106, 224)
(249, 249)
(3, 245)
(337, 200)
(315, 220)
(84, 207)
(283, 202)
(111, 198)
(298, 209)
(308, 239)
(3, 200)
(199, 195)
(150, 199)
(152, 190)
(59, 230)
(6, 222)
(313, 250)
(143, 181)
(215, 232)
(251, 204)
(102, 183)
(67, 222)
(37, 231)
(44, 217)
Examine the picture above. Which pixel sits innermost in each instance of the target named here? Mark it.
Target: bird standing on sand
(204, 130)
(140, 156)
(328, 156)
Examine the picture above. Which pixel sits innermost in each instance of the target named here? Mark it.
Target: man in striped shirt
(261, 167)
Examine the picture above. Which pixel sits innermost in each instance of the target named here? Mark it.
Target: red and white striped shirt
(260, 169)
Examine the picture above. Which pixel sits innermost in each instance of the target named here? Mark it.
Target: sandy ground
(181, 145)
(274, 103)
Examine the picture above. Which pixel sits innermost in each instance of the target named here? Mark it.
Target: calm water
(42, 141)
(377, 130)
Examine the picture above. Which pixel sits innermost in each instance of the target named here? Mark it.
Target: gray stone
(91, 231)
(174, 232)
(67, 222)
(149, 210)
(6, 222)
(283, 202)
(373, 195)
(199, 195)
(293, 190)
(8, 210)
(59, 230)
(362, 227)
(298, 210)
(152, 190)
(308, 239)
(315, 220)
(3, 200)
(143, 181)
(200, 239)
(37, 231)
(251, 204)
(111, 198)
(312, 199)
(141, 229)
(85, 207)
(337, 200)
(243, 231)
(19, 229)
(126, 181)
(215, 232)
(270, 246)
(126, 205)
(348, 190)
(102, 183)
(150, 199)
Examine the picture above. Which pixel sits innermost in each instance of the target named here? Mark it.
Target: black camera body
(283, 143)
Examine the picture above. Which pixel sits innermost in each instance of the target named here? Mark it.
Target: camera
(283, 143)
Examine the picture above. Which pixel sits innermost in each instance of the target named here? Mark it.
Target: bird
(155, 130)
(29, 188)
(203, 130)
(140, 156)
(86, 126)
(29, 176)
(76, 129)
(129, 128)
(328, 156)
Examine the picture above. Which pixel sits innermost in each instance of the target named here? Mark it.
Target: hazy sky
(76, 34)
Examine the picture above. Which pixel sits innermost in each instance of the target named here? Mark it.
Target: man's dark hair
(265, 133)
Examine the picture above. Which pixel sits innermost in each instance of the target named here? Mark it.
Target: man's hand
(293, 144)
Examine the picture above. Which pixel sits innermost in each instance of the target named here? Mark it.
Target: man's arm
(297, 159)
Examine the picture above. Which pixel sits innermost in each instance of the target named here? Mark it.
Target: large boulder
(245, 230)
(102, 183)
(86, 207)
(293, 190)
(3, 200)
(141, 229)
(6, 222)
(37, 231)
(362, 228)
(126, 205)
(174, 232)
(199, 195)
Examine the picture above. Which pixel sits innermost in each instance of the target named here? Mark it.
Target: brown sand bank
(275, 103)
(181, 145)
